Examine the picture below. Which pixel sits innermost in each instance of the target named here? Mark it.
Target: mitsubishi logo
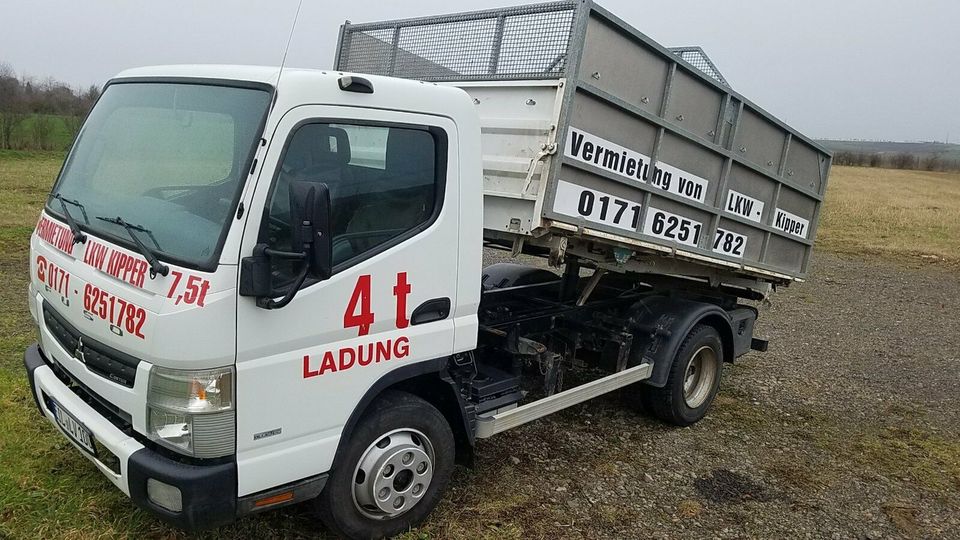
(78, 352)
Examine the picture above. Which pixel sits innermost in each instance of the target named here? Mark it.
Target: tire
(396, 425)
(675, 403)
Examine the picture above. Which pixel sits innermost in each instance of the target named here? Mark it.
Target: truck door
(303, 368)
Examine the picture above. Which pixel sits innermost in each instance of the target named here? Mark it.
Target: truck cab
(183, 189)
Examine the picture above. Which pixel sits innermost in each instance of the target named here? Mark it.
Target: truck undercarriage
(577, 336)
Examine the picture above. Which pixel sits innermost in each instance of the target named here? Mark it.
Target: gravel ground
(846, 428)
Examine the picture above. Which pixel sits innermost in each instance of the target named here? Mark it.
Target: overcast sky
(875, 69)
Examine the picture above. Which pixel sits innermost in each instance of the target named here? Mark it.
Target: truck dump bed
(598, 140)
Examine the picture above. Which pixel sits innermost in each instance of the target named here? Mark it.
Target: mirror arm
(270, 303)
(310, 206)
(273, 253)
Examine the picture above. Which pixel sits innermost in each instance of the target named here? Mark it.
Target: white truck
(259, 286)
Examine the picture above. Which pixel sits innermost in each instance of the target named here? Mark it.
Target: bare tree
(934, 162)
(12, 110)
(83, 102)
(847, 158)
(41, 130)
(904, 160)
(73, 124)
(30, 109)
(87, 99)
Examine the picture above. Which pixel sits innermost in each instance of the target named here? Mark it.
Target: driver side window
(384, 182)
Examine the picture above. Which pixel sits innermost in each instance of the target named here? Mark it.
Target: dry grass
(689, 508)
(891, 212)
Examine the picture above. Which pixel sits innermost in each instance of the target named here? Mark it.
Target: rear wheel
(393, 471)
(693, 380)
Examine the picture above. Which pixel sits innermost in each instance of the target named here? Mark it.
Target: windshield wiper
(78, 236)
(156, 267)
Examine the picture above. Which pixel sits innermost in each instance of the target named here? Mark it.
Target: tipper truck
(259, 286)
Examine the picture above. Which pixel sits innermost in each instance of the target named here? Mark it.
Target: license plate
(73, 428)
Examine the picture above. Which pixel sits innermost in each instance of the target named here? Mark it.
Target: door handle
(431, 311)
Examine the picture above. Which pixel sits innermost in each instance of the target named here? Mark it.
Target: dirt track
(847, 428)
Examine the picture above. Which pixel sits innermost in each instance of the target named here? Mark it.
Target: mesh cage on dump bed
(699, 59)
(694, 170)
(521, 43)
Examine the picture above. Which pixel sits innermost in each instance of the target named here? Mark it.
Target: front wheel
(693, 380)
(393, 470)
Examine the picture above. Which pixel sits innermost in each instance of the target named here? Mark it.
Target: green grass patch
(49, 490)
(922, 457)
(46, 487)
(58, 132)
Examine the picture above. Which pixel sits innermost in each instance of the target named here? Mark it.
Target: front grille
(118, 417)
(104, 361)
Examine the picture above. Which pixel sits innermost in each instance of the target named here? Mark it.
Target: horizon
(80, 89)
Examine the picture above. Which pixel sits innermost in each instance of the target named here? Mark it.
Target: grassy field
(59, 136)
(48, 490)
(892, 213)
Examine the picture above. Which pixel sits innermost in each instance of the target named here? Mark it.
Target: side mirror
(310, 238)
(310, 208)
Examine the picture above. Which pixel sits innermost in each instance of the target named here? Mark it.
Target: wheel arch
(661, 323)
(429, 381)
(724, 327)
(504, 275)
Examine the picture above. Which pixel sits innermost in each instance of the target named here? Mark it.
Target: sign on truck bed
(594, 131)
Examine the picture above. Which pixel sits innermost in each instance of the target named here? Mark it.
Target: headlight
(192, 412)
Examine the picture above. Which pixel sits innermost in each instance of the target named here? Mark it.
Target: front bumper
(208, 492)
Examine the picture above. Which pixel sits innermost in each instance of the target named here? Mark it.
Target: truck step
(492, 424)
(494, 388)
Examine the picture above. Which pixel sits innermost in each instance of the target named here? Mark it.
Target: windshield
(168, 158)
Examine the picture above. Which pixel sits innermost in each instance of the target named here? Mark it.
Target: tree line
(896, 160)
(40, 114)
(46, 115)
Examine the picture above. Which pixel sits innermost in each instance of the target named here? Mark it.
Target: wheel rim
(393, 474)
(699, 378)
